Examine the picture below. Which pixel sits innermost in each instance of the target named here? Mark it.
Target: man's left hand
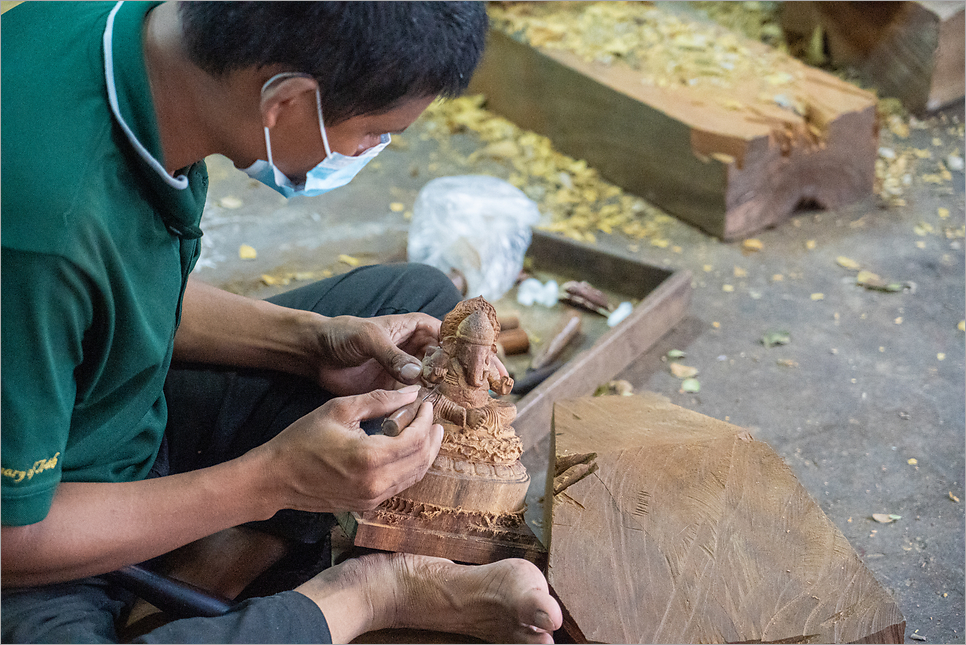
(358, 355)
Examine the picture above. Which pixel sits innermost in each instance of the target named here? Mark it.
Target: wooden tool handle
(508, 322)
(514, 341)
(553, 349)
(395, 422)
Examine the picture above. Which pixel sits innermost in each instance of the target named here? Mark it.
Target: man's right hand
(322, 462)
(325, 462)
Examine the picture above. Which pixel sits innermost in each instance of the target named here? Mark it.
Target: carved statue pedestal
(465, 511)
(471, 538)
(472, 487)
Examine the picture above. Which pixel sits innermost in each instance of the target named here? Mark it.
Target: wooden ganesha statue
(478, 468)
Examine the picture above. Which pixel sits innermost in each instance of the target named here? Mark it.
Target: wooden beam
(913, 51)
(691, 531)
(729, 162)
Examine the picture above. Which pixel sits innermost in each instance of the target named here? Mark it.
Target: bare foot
(503, 602)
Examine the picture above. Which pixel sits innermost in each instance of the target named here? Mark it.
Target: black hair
(366, 56)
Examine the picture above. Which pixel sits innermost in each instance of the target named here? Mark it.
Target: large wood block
(729, 160)
(691, 531)
(914, 51)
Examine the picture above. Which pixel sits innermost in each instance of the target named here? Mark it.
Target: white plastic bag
(477, 225)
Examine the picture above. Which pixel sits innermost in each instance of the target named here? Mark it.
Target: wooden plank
(732, 164)
(691, 531)
(913, 51)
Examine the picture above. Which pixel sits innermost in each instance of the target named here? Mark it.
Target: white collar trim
(180, 182)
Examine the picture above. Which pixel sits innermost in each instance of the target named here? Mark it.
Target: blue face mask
(335, 171)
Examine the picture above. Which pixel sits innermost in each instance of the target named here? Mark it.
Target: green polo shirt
(97, 247)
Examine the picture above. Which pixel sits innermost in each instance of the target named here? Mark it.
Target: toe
(542, 621)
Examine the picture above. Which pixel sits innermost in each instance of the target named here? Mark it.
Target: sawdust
(754, 20)
(396, 509)
(668, 51)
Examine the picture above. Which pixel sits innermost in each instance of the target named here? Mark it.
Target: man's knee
(405, 288)
(432, 287)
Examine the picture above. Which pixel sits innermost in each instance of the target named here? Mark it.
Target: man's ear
(283, 94)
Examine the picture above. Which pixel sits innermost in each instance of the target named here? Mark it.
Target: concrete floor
(866, 404)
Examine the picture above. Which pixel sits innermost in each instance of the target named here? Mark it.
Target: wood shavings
(230, 202)
(350, 260)
(247, 252)
(285, 278)
(275, 280)
(572, 197)
(615, 388)
(893, 174)
(669, 51)
(586, 296)
(847, 263)
(682, 371)
(874, 282)
(755, 20)
(776, 337)
(690, 386)
(752, 245)
(954, 233)
(886, 518)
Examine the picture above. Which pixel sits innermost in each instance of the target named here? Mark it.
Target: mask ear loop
(268, 147)
(325, 139)
(318, 107)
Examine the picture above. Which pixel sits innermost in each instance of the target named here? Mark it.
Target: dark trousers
(215, 415)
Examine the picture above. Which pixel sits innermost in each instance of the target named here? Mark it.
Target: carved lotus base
(476, 487)
(403, 526)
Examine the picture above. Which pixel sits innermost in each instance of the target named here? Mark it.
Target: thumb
(372, 405)
(400, 365)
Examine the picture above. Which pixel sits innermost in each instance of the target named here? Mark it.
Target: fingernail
(408, 389)
(541, 620)
(410, 371)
